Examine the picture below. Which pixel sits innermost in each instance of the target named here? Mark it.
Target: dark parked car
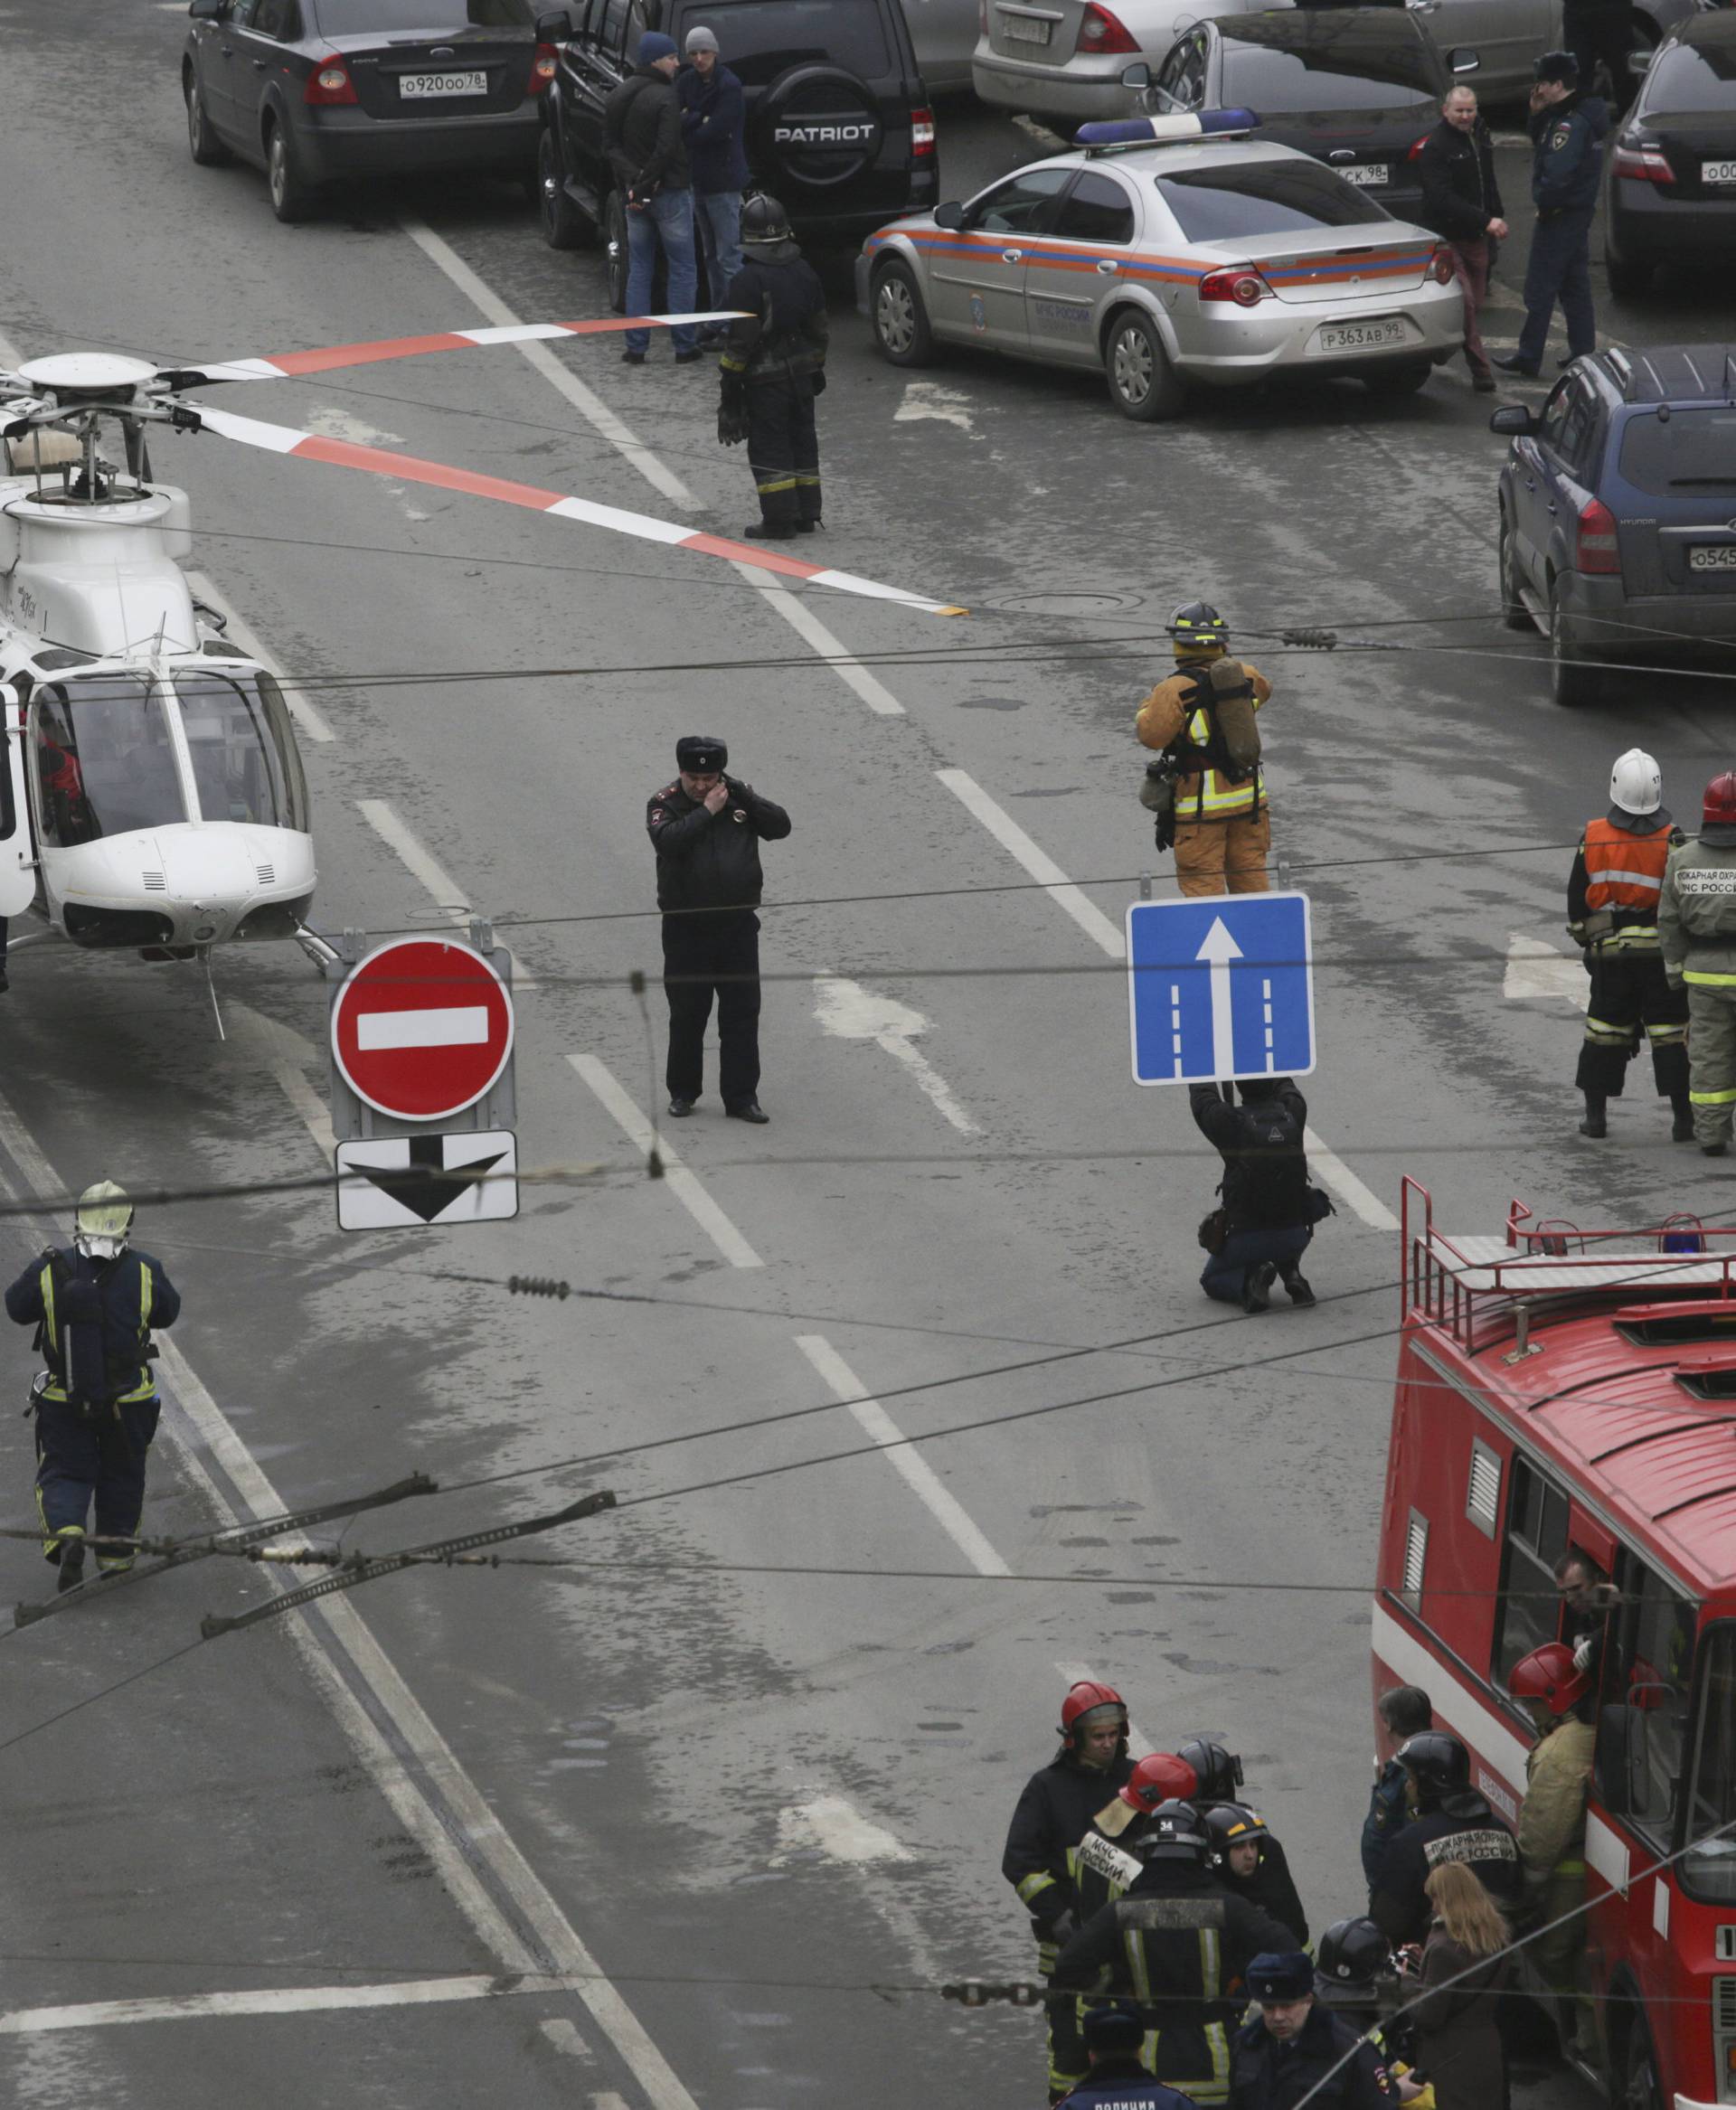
(1358, 88)
(1619, 511)
(1672, 170)
(838, 123)
(322, 91)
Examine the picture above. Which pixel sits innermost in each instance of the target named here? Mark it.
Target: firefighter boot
(71, 1562)
(1681, 1126)
(1594, 1124)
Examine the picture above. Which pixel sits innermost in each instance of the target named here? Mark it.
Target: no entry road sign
(421, 1028)
(1220, 986)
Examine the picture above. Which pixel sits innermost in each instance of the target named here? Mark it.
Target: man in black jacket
(1452, 1821)
(706, 829)
(1283, 2058)
(1462, 203)
(642, 137)
(772, 368)
(1269, 1210)
(1567, 128)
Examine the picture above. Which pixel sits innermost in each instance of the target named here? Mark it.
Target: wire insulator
(538, 1285)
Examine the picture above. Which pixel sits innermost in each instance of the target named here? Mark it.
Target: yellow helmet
(105, 1216)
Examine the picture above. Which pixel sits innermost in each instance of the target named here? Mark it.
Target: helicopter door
(17, 856)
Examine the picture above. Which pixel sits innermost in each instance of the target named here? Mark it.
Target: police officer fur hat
(699, 754)
(1113, 2027)
(1281, 1977)
(1560, 66)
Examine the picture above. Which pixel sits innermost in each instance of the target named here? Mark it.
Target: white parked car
(1064, 59)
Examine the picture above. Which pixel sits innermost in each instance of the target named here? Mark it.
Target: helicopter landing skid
(210, 991)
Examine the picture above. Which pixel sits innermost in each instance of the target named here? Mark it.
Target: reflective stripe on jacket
(1696, 916)
(1623, 871)
(135, 1295)
(1165, 720)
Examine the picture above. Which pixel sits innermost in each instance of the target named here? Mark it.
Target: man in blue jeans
(642, 137)
(1269, 1210)
(1567, 128)
(713, 117)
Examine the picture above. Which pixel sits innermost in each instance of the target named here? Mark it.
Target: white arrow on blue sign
(1220, 986)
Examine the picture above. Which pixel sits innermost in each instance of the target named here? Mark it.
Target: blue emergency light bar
(1160, 131)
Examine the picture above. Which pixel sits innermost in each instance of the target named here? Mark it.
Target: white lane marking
(1139, 1746)
(808, 627)
(457, 1025)
(333, 423)
(448, 896)
(1535, 969)
(928, 398)
(288, 2000)
(286, 1054)
(311, 721)
(309, 1104)
(590, 405)
(850, 1013)
(461, 1829)
(682, 1184)
(564, 2036)
(830, 1825)
(1041, 866)
(917, 1474)
(609, 2100)
(1337, 1175)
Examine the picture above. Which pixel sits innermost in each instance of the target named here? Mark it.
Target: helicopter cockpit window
(105, 762)
(245, 767)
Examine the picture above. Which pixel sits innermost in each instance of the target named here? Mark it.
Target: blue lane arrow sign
(1220, 986)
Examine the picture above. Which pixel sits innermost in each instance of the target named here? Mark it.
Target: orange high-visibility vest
(1623, 871)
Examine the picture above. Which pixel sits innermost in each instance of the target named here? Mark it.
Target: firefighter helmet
(1353, 1953)
(1174, 1832)
(104, 1219)
(764, 220)
(1548, 1674)
(1635, 783)
(1234, 1824)
(1219, 1771)
(1162, 1777)
(1438, 1763)
(1720, 809)
(1083, 1701)
(1198, 623)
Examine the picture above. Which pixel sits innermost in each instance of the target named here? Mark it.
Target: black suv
(838, 123)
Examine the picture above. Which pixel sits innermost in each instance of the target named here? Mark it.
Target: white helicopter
(152, 796)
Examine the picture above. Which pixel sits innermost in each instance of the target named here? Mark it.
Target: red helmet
(1084, 1699)
(1161, 1778)
(1720, 809)
(1547, 1673)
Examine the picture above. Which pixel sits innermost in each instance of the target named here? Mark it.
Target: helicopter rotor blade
(381, 461)
(298, 365)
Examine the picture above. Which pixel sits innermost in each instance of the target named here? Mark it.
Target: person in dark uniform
(1054, 1813)
(1452, 1822)
(1603, 30)
(93, 1305)
(1283, 2058)
(1248, 1862)
(772, 367)
(1113, 2034)
(1567, 131)
(706, 829)
(1269, 1206)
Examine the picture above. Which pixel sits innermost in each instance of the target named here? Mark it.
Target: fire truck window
(1648, 1664)
(1708, 1872)
(1528, 1612)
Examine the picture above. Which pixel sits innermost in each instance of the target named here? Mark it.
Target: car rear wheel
(1572, 679)
(202, 143)
(1143, 385)
(1404, 380)
(1514, 611)
(564, 226)
(1629, 275)
(901, 321)
(293, 197)
(614, 239)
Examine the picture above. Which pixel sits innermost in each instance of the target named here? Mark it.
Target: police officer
(773, 365)
(1557, 1697)
(1053, 1814)
(1200, 719)
(93, 1307)
(1612, 913)
(1286, 2055)
(1113, 2034)
(1270, 1208)
(1696, 931)
(1451, 1822)
(1567, 131)
(1249, 1863)
(706, 829)
(1177, 1944)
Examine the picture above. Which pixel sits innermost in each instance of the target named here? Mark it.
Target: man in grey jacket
(1696, 932)
(642, 137)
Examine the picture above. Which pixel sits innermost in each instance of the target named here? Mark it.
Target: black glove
(819, 381)
(733, 410)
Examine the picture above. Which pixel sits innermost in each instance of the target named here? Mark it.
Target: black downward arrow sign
(425, 1186)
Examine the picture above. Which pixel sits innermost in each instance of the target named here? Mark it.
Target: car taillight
(1597, 546)
(1100, 31)
(1645, 162)
(1414, 153)
(330, 82)
(921, 133)
(1441, 269)
(544, 67)
(1241, 286)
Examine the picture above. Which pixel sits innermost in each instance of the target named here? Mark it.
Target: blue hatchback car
(1618, 512)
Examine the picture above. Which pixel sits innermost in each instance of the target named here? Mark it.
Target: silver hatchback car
(1206, 261)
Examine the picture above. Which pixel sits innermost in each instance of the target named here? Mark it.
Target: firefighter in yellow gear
(1559, 1698)
(1201, 720)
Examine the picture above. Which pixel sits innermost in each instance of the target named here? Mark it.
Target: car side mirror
(555, 28)
(1515, 420)
(951, 217)
(1638, 61)
(1463, 61)
(1137, 75)
(208, 10)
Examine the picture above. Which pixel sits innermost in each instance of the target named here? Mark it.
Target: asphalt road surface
(707, 1816)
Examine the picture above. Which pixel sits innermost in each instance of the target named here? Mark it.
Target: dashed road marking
(288, 2000)
(420, 861)
(1041, 866)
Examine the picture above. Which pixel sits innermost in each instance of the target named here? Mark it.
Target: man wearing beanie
(1283, 2058)
(642, 137)
(713, 120)
(706, 829)
(1113, 2034)
(1567, 130)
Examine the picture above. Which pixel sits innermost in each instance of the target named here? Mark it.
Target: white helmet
(1636, 785)
(105, 1220)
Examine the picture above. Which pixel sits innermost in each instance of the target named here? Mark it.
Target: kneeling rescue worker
(1696, 928)
(1208, 790)
(773, 366)
(1612, 896)
(93, 1307)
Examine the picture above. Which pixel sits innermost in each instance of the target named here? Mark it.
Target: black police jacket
(1460, 193)
(96, 1318)
(1567, 154)
(1054, 1813)
(711, 861)
(1463, 1828)
(1265, 2074)
(1264, 1187)
(1272, 1889)
(1123, 2084)
(783, 333)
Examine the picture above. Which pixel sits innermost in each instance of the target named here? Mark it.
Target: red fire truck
(1563, 1390)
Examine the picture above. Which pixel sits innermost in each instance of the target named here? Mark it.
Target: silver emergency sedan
(1215, 261)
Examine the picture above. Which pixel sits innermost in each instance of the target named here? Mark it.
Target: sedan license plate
(1025, 29)
(414, 86)
(1718, 172)
(1361, 336)
(1367, 175)
(1712, 557)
